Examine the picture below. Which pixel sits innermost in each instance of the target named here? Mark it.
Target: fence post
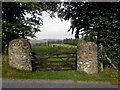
(87, 57)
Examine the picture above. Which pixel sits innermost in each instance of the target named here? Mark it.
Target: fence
(54, 61)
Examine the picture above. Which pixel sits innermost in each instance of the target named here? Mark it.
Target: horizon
(51, 39)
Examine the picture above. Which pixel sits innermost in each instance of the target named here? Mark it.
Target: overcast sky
(54, 28)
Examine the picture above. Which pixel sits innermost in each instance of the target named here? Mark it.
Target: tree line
(64, 41)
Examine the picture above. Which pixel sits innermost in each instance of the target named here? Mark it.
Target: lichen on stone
(87, 57)
(20, 54)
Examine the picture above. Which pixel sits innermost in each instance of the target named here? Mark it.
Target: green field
(108, 75)
(57, 61)
(54, 48)
(64, 45)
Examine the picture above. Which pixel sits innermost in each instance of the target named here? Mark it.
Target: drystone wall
(87, 57)
(20, 54)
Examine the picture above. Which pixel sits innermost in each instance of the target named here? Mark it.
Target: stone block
(87, 57)
(20, 54)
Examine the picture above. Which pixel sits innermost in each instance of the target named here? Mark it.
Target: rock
(87, 57)
(20, 54)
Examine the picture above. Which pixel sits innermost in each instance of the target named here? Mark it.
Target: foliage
(98, 22)
(67, 41)
(16, 25)
(72, 41)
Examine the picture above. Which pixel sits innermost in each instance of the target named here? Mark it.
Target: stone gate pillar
(87, 57)
(20, 54)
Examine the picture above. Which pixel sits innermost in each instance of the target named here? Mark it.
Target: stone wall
(87, 57)
(20, 54)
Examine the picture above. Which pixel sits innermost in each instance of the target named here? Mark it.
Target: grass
(64, 45)
(108, 75)
(52, 49)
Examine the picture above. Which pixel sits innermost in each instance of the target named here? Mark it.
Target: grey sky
(54, 28)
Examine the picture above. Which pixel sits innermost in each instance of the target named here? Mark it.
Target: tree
(99, 23)
(14, 23)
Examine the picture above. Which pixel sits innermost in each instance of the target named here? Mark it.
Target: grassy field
(54, 48)
(64, 45)
(108, 75)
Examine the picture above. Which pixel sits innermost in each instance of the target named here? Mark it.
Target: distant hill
(42, 40)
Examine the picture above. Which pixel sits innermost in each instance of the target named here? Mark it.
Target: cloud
(54, 28)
